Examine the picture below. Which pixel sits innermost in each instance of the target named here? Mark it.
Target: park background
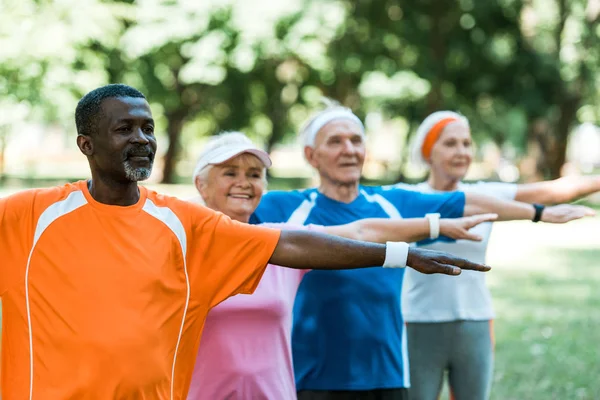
(525, 73)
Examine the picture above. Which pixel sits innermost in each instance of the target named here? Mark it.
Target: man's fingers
(447, 269)
(431, 262)
(485, 218)
(478, 219)
(471, 236)
(466, 264)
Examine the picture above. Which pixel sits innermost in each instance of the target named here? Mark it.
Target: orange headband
(433, 135)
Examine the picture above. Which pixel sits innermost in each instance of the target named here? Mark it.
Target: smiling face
(452, 153)
(338, 153)
(234, 187)
(123, 147)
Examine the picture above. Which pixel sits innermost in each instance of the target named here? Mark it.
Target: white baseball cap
(226, 146)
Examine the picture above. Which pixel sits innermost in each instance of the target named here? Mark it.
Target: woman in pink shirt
(245, 352)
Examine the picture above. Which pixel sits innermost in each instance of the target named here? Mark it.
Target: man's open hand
(458, 228)
(437, 262)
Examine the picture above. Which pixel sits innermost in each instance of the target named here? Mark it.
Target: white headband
(310, 132)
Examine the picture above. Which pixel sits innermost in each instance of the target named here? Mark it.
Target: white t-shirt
(443, 298)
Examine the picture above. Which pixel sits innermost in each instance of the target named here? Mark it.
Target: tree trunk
(438, 54)
(405, 156)
(568, 115)
(550, 143)
(277, 113)
(553, 142)
(176, 121)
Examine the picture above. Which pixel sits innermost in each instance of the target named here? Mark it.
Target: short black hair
(89, 107)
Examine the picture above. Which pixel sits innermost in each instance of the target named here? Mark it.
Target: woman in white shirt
(442, 307)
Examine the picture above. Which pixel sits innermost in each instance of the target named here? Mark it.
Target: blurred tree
(565, 37)
(38, 53)
(194, 64)
(410, 59)
(523, 71)
(484, 59)
(180, 58)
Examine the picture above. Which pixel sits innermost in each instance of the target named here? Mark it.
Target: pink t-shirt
(245, 352)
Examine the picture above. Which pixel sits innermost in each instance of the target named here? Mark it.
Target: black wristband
(539, 209)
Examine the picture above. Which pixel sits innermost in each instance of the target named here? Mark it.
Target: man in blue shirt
(349, 338)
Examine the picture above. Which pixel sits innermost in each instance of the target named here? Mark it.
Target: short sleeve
(15, 221)
(289, 227)
(3, 245)
(228, 257)
(449, 205)
(278, 206)
(268, 210)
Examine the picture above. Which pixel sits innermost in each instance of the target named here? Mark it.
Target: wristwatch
(539, 209)
(434, 225)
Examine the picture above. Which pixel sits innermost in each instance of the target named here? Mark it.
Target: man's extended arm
(311, 250)
(382, 230)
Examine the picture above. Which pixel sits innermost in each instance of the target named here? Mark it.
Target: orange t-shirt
(109, 302)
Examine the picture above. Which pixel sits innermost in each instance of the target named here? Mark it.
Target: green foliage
(511, 66)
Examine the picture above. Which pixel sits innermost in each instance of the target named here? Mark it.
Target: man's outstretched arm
(382, 230)
(311, 250)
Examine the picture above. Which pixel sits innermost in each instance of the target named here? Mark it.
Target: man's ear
(309, 153)
(85, 144)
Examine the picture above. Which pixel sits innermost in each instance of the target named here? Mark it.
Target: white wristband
(434, 225)
(396, 255)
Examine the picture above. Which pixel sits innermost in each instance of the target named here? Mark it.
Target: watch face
(539, 208)
(434, 225)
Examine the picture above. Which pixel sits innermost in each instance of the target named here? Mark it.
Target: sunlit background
(525, 72)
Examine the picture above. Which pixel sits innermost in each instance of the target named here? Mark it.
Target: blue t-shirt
(348, 332)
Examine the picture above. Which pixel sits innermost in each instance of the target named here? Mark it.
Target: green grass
(545, 282)
(547, 329)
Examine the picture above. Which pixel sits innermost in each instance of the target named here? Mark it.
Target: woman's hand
(565, 212)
